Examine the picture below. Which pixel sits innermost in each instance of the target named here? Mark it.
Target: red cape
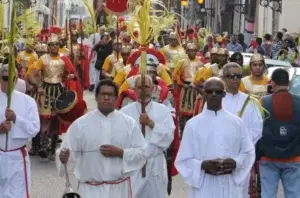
(85, 68)
(73, 85)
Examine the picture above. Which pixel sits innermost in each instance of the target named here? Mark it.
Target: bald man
(216, 153)
(159, 135)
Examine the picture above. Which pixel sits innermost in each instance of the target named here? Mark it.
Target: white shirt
(212, 135)
(84, 138)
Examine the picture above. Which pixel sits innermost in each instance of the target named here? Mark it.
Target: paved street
(46, 183)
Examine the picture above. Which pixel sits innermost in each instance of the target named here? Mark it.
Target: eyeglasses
(233, 76)
(5, 78)
(216, 91)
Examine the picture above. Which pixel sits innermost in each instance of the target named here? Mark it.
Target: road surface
(46, 183)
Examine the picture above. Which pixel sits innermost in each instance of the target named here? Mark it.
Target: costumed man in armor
(202, 33)
(160, 94)
(133, 60)
(40, 50)
(57, 74)
(257, 82)
(112, 59)
(121, 67)
(219, 59)
(79, 57)
(173, 51)
(26, 58)
(183, 75)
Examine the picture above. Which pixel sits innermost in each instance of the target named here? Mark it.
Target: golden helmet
(6, 50)
(44, 48)
(191, 46)
(38, 47)
(202, 32)
(223, 51)
(214, 50)
(207, 55)
(74, 33)
(219, 38)
(63, 34)
(257, 57)
(126, 49)
(173, 35)
(54, 38)
(30, 42)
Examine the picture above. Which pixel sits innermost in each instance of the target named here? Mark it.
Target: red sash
(24, 154)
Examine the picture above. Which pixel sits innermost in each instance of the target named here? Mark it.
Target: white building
(269, 21)
(288, 18)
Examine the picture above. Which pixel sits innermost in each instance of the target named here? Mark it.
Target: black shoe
(92, 87)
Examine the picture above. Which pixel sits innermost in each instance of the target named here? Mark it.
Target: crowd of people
(203, 114)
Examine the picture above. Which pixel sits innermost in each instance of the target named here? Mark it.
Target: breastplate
(190, 69)
(53, 70)
(24, 60)
(174, 55)
(116, 68)
(114, 60)
(258, 90)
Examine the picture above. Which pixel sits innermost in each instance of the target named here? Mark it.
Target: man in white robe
(159, 135)
(21, 122)
(242, 105)
(216, 152)
(105, 146)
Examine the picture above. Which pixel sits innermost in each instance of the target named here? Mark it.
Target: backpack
(280, 139)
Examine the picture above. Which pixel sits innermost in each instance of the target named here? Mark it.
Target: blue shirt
(235, 47)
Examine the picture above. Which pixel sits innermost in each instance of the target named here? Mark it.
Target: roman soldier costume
(173, 51)
(57, 76)
(183, 75)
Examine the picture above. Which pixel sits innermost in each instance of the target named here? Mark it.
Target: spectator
(277, 46)
(234, 46)
(279, 146)
(267, 45)
(260, 49)
(241, 40)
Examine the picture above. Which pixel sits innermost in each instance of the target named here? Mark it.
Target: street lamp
(264, 3)
(276, 5)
